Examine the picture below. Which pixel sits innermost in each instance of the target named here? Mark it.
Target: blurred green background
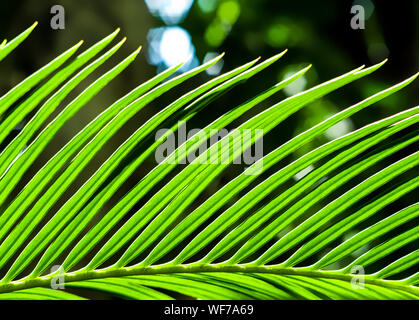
(173, 31)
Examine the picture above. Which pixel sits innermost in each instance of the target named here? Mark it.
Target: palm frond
(251, 239)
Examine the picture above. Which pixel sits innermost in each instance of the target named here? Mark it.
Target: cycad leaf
(207, 248)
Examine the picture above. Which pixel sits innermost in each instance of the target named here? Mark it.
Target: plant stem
(193, 268)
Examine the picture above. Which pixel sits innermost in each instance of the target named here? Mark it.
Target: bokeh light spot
(377, 51)
(216, 68)
(301, 174)
(228, 12)
(339, 129)
(296, 86)
(207, 5)
(176, 46)
(170, 46)
(170, 11)
(215, 34)
(278, 35)
(367, 5)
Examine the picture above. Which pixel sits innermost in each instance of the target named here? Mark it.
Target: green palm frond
(251, 239)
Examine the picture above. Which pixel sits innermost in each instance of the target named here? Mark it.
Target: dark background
(315, 32)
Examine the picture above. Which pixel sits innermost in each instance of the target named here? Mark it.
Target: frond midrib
(112, 272)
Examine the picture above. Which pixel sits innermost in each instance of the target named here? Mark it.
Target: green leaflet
(7, 47)
(413, 280)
